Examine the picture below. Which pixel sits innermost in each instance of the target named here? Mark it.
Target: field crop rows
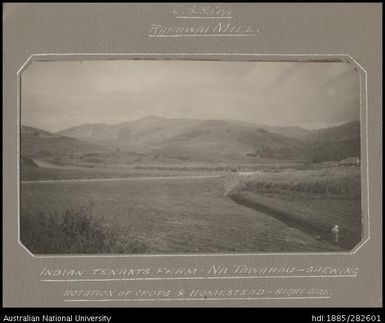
(174, 216)
(312, 200)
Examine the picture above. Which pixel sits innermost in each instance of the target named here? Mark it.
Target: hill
(291, 132)
(334, 143)
(37, 143)
(190, 139)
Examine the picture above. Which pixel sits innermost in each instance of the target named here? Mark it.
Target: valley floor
(175, 214)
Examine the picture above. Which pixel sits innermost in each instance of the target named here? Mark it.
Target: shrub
(75, 232)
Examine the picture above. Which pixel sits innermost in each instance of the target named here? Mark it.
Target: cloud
(57, 95)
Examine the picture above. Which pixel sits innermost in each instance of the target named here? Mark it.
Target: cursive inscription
(202, 21)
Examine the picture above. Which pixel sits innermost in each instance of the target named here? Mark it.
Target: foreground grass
(174, 216)
(75, 231)
(312, 200)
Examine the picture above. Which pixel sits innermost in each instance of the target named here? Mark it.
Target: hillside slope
(334, 143)
(221, 140)
(190, 139)
(37, 143)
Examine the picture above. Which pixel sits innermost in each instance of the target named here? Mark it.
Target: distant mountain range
(197, 140)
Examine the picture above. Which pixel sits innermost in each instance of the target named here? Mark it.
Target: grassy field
(50, 171)
(39, 174)
(166, 216)
(311, 200)
(76, 231)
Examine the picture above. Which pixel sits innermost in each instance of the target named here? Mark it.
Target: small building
(350, 161)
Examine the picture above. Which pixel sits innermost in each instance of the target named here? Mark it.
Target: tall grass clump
(75, 231)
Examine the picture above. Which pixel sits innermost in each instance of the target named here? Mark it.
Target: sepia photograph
(189, 157)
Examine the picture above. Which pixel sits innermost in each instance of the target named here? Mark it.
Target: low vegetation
(75, 232)
(341, 181)
(170, 216)
(310, 200)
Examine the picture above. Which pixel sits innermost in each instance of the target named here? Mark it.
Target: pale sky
(58, 95)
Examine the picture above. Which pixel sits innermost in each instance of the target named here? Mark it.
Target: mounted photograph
(146, 156)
